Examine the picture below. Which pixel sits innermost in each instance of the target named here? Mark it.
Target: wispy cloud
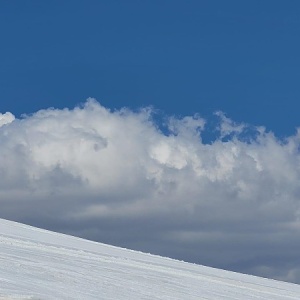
(115, 177)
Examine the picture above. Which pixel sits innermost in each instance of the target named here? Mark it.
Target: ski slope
(39, 264)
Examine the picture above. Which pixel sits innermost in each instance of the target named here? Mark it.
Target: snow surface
(39, 264)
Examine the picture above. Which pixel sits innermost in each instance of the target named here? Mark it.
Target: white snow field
(39, 264)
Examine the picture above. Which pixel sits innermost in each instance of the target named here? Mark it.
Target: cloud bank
(117, 177)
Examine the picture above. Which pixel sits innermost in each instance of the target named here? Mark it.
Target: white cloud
(6, 118)
(227, 126)
(115, 177)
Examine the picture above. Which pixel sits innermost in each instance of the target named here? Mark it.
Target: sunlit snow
(39, 264)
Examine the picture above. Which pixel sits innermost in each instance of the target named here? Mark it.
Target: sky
(163, 126)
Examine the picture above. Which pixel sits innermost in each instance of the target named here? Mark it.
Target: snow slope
(39, 264)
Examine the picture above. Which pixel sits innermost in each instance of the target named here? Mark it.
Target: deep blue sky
(182, 57)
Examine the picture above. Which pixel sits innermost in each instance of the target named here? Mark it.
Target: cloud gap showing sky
(117, 177)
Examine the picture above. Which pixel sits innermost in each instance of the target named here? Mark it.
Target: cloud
(227, 126)
(6, 118)
(116, 177)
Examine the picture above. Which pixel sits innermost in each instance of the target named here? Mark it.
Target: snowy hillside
(38, 264)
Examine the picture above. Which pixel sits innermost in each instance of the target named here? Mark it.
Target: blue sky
(183, 57)
(114, 175)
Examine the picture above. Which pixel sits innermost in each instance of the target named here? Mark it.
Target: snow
(39, 264)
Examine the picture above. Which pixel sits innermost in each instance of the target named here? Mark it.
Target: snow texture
(39, 264)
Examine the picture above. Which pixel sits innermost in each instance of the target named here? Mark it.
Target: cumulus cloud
(116, 177)
(6, 118)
